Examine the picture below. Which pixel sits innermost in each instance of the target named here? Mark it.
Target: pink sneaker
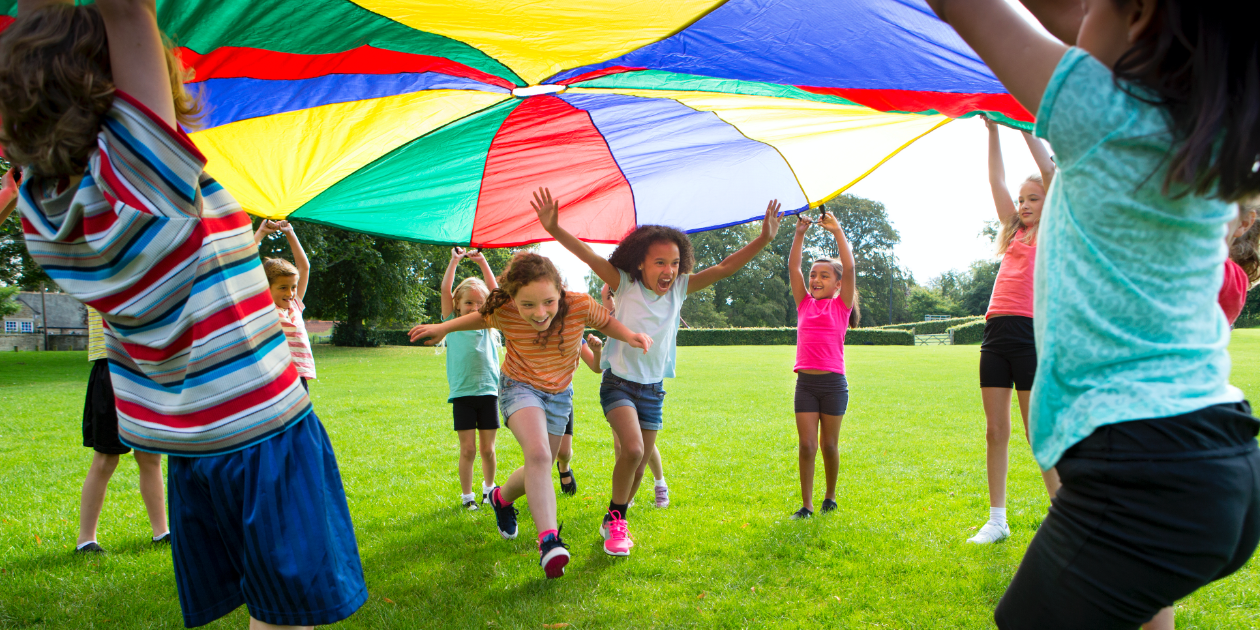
(662, 496)
(616, 536)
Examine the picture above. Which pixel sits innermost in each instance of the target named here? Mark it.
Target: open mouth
(540, 325)
(663, 283)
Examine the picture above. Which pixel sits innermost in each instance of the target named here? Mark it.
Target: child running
(650, 274)
(287, 283)
(542, 328)
(592, 347)
(1152, 120)
(826, 307)
(1242, 268)
(1008, 351)
(472, 372)
(119, 211)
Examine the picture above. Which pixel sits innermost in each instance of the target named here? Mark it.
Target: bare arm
(1042, 157)
(799, 292)
(136, 57)
(997, 175)
(1062, 19)
(448, 280)
(1021, 56)
(300, 260)
(727, 268)
(487, 274)
(591, 351)
(618, 331)
(436, 332)
(548, 210)
(848, 282)
(266, 227)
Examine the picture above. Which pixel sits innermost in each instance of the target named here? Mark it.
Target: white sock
(487, 489)
(660, 483)
(465, 498)
(82, 545)
(997, 515)
(155, 538)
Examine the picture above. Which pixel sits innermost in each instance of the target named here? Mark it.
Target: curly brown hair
(632, 251)
(524, 268)
(1245, 250)
(56, 85)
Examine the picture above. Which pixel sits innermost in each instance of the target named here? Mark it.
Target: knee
(996, 434)
(148, 461)
(487, 451)
(104, 464)
(538, 457)
(831, 450)
(467, 452)
(808, 447)
(564, 455)
(631, 452)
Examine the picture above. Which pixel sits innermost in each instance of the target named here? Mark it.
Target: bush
(358, 337)
(933, 328)
(969, 333)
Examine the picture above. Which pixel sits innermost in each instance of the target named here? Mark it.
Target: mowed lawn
(723, 555)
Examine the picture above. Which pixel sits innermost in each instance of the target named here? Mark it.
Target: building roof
(63, 310)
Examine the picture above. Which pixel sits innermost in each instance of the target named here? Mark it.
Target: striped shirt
(548, 368)
(196, 353)
(295, 332)
(96, 336)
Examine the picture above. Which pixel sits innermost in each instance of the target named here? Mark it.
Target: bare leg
(1163, 620)
(151, 490)
(654, 461)
(649, 446)
(255, 624)
(533, 480)
(629, 447)
(467, 453)
(1050, 477)
(997, 415)
(93, 497)
(489, 461)
(831, 451)
(565, 454)
(807, 451)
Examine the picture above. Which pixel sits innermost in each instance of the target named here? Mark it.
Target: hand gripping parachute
(434, 120)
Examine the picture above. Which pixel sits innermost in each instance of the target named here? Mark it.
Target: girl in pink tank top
(1008, 354)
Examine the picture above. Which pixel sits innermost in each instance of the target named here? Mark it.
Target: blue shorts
(268, 527)
(648, 400)
(515, 396)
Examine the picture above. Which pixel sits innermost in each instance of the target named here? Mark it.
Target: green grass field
(723, 555)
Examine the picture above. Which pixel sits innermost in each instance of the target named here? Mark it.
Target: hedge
(729, 337)
(972, 332)
(933, 328)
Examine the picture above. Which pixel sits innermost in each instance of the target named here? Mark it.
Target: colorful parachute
(433, 120)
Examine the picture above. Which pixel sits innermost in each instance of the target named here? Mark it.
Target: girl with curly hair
(542, 327)
(650, 273)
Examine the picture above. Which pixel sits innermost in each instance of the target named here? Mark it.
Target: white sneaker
(990, 533)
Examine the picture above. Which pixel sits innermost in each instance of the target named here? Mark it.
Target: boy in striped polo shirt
(287, 282)
(119, 211)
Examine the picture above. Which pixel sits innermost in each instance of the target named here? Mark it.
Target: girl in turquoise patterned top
(1151, 114)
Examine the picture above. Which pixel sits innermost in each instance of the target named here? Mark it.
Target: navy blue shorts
(648, 400)
(268, 527)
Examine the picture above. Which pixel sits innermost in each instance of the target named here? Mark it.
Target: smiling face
(1031, 197)
(283, 290)
(470, 301)
(823, 283)
(660, 266)
(538, 302)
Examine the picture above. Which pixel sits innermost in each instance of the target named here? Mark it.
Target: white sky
(936, 192)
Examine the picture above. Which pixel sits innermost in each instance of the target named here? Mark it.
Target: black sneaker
(164, 539)
(801, 513)
(568, 487)
(91, 547)
(471, 505)
(504, 516)
(828, 505)
(553, 556)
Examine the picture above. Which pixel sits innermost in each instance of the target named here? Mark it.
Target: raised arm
(727, 268)
(848, 282)
(300, 260)
(487, 274)
(266, 227)
(1062, 19)
(548, 210)
(448, 281)
(1042, 157)
(591, 351)
(1021, 56)
(436, 332)
(799, 292)
(997, 175)
(137, 58)
(618, 331)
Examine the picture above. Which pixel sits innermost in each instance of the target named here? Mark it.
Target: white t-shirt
(642, 310)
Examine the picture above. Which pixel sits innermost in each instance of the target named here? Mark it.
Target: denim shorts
(515, 396)
(648, 400)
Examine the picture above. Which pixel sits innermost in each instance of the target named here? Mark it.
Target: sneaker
(568, 487)
(662, 496)
(801, 513)
(164, 539)
(616, 535)
(471, 505)
(504, 515)
(828, 505)
(553, 556)
(990, 533)
(485, 495)
(91, 547)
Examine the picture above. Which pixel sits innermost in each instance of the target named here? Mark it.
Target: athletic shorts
(515, 396)
(100, 416)
(475, 412)
(1149, 511)
(305, 385)
(827, 394)
(266, 526)
(1008, 353)
(568, 428)
(647, 400)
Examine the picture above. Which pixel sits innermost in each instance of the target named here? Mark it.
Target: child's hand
(594, 342)
(803, 224)
(770, 225)
(828, 222)
(475, 256)
(432, 331)
(267, 227)
(548, 209)
(457, 253)
(640, 340)
(989, 124)
(284, 226)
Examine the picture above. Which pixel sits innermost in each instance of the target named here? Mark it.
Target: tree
(8, 305)
(923, 301)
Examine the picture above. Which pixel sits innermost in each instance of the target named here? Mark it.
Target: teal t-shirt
(472, 363)
(1126, 316)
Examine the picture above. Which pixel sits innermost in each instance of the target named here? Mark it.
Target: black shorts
(1008, 353)
(1149, 511)
(475, 412)
(305, 386)
(100, 416)
(568, 428)
(827, 394)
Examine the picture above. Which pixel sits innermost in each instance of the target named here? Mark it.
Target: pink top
(1233, 295)
(820, 327)
(295, 333)
(1013, 289)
